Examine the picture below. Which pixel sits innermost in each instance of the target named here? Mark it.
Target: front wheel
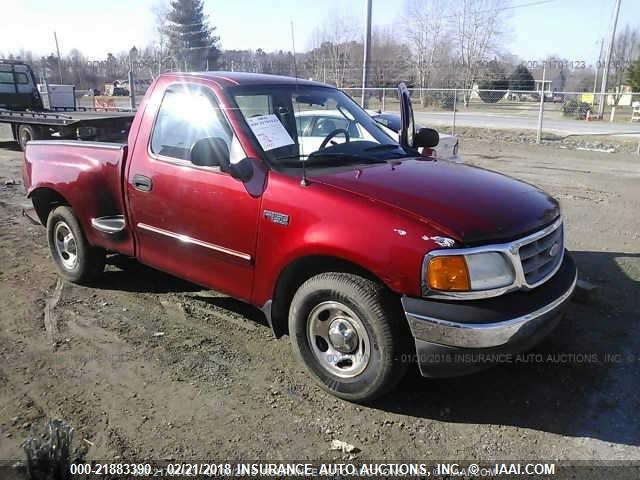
(77, 260)
(349, 333)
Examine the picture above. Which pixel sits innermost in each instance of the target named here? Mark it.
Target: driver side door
(196, 222)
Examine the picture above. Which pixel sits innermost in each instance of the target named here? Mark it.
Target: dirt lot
(215, 384)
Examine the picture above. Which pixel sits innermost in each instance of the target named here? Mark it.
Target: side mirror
(243, 170)
(211, 152)
(426, 137)
(214, 152)
(407, 123)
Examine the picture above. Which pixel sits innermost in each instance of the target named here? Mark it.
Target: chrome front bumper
(512, 322)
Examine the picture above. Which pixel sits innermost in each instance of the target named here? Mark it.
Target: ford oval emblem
(553, 251)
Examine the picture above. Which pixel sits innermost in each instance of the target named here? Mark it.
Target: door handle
(142, 183)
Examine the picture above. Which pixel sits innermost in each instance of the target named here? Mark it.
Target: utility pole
(541, 111)
(55, 37)
(607, 62)
(367, 54)
(595, 77)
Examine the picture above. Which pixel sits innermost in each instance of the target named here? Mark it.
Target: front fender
(325, 221)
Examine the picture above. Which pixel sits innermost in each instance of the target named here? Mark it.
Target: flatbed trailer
(69, 125)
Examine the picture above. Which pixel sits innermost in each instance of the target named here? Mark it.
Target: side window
(302, 123)
(354, 131)
(325, 125)
(187, 115)
(254, 105)
(22, 79)
(6, 77)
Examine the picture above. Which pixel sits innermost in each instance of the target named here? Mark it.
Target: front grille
(538, 260)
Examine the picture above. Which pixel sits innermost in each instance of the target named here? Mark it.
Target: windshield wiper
(322, 158)
(352, 158)
(383, 146)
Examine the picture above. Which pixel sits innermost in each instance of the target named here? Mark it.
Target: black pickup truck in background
(21, 107)
(18, 87)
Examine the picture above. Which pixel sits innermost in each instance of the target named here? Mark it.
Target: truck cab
(18, 87)
(368, 255)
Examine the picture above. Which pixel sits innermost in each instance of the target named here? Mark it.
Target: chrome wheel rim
(338, 339)
(66, 246)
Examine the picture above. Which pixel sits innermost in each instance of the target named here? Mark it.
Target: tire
(326, 312)
(27, 133)
(77, 260)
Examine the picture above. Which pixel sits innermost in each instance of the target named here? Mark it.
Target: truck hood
(471, 204)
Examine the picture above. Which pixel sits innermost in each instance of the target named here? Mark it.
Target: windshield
(317, 125)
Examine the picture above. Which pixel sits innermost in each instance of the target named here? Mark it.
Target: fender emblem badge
(441, 241)
(277, 217)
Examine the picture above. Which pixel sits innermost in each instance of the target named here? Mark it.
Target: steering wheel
(332, 134)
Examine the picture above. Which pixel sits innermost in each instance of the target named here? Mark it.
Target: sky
(571, 29)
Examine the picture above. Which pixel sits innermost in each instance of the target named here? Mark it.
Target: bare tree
(427, 33)
(626, 48)
(160, 11)
(477, 29)
(391, 59)
(336, 41)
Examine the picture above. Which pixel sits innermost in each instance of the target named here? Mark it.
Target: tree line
(440, 44)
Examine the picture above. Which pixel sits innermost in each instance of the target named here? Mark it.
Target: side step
(109, 225)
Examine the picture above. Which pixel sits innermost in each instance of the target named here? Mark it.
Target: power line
(512, 7)
(493, 10)
(530, 4)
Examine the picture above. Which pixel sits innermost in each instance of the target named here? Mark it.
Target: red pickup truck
(368, 255)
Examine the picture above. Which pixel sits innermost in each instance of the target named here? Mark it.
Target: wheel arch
(45, 200)
(295, 274)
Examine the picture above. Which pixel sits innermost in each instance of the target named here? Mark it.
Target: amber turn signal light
(448, 272)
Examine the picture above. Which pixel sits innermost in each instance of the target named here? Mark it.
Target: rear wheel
(349, 333)
(77, 260)
(26, 133)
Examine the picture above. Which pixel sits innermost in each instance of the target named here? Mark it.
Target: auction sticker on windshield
(269, 131)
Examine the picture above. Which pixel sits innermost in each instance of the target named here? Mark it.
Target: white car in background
(447, 148)
(314, 126)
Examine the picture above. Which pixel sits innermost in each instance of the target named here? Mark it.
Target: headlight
(461, 273)
(489, 270)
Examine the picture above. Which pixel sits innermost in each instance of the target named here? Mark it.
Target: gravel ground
(146, 366)
(594, 143)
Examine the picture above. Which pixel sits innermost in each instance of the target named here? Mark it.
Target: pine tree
(633, 76)
(521, 79)
(192, 42)
(494, 79)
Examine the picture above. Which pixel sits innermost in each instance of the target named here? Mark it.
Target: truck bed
(87, 175)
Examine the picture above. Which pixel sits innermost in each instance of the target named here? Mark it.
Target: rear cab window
(16, 79)
(21, 78)
(6, 77)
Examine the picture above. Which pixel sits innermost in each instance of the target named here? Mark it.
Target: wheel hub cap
(342, 335)
(65, 244)
(338, 339)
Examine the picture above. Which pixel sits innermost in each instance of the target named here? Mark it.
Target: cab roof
(234, 79)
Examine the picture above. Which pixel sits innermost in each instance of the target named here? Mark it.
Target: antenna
(303, 181)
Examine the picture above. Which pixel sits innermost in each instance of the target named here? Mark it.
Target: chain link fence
(561, 113)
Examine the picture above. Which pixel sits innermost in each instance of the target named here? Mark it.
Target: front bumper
(458, 337)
